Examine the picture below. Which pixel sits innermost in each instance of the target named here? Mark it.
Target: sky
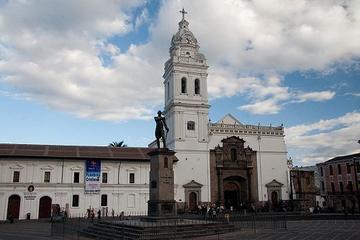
(89, 72)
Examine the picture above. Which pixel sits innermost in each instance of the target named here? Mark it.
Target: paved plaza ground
(309, 229)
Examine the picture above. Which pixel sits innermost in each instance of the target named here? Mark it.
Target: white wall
(122, 196)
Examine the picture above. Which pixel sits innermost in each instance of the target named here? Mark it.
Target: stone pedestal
(161, 204)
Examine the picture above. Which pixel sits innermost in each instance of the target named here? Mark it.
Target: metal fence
(186, 226)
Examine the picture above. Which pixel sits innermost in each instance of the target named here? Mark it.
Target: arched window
(233, 154)
(197, 86)
(190, 125)
(183, 85)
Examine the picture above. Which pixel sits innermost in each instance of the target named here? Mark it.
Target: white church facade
(225, 162)
(193, 137)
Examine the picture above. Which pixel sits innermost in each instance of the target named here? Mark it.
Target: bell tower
(186, 99)
(186, 109)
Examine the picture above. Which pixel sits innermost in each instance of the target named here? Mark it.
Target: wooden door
(13, 207)
(45, 207)
(192, 201)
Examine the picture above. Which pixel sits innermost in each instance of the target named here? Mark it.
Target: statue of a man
(159, 131)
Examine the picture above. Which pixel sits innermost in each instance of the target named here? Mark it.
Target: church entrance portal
(233, 194)
(13, 207)
(45, 207)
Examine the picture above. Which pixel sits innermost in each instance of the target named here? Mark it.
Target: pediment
(105, 169)
(16, 166)
(131, 169)
(229, 119)
(46, 167)
(76, 168)
(192, 184)
(233, 139)
(274, 184)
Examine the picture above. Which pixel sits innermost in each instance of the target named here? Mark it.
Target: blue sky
(90, 72)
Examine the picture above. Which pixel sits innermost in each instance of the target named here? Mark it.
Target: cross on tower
(183, 13)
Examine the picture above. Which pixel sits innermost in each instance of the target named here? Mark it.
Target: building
(304, 190)
(339, 182)
(36, 177)
(253, 158)
(225, 161)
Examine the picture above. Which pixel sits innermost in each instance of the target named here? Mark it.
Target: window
(16, 176)
(46, 177)
(331, 170)
(321, 171)
(132, 178)
(350, 186)
(348, 168)
(197, 86)
(75, 201)
(166, 162)
(183, 85)
(104, 177)
(332, 187)
(190, 125)
(322, 186)
(104, 200)
(233, 154)
(339, 168)
(76, 177)
(341, 187)
(357, 167)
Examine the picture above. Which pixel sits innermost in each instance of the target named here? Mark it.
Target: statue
(159, 131)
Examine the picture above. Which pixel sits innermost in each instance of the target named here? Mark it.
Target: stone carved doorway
(231, 195)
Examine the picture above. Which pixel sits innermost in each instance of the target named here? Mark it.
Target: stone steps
(110, 231)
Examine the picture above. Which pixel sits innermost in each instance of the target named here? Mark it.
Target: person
(99, 214)
(121, 216)
(159, 130)
(112, 213)
(92, 215)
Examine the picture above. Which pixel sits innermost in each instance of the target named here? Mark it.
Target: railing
(185, 225)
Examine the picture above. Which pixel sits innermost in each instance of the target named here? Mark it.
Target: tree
(117, 144)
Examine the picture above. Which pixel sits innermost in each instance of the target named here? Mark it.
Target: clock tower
(186, 113)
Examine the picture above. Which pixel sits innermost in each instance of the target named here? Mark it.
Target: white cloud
(53, 51)
(315, 96)
(325, 139)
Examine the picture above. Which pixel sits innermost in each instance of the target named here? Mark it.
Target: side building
(339, 182)
(35, 178)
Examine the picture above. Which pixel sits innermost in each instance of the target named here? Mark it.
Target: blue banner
(92, 176)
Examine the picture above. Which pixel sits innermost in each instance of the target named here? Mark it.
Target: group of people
(90, 213)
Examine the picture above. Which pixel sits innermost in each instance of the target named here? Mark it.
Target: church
(226, 162)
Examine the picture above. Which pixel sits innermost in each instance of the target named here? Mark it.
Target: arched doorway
(13, 209)
(192, 201)
(231, 195)
(45, 207)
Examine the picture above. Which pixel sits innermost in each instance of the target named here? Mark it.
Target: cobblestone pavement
(310, 229)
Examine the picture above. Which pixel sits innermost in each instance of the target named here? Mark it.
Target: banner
(92, 176)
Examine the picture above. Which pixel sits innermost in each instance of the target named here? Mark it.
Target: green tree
(117, 144)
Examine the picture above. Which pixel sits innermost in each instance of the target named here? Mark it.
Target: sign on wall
(92, 176)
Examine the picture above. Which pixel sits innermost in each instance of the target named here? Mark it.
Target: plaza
(299, 229)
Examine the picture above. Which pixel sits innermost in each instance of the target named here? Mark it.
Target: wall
(122, 196)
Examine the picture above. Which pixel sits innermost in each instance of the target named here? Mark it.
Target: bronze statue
(159, 131)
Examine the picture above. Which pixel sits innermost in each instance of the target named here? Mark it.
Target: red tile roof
(74, 152)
